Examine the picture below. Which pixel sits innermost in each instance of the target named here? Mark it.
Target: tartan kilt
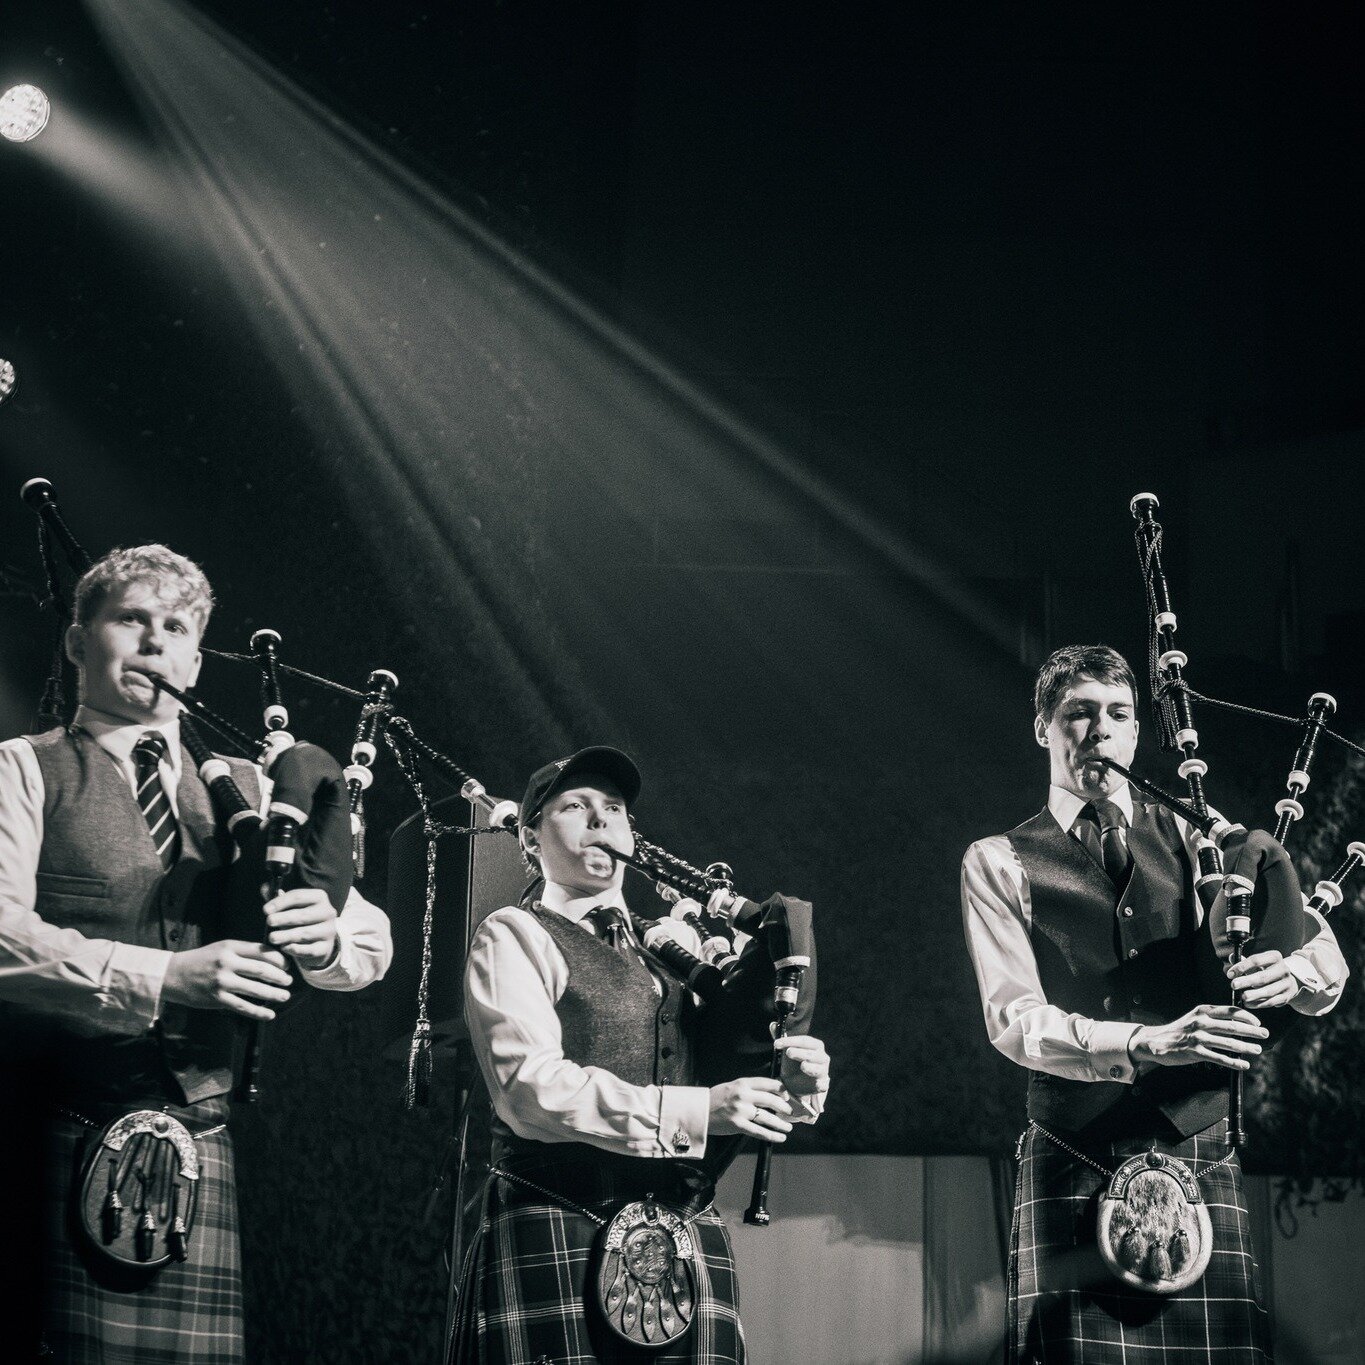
(187, 1313)
(1065, 1305)
(529, 1284)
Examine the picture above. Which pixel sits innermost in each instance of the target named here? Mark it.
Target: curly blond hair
(178, 580)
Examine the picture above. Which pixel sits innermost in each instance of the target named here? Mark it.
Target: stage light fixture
(24, 111)
(9, 379)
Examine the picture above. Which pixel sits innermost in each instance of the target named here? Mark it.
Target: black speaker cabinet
(475, 875)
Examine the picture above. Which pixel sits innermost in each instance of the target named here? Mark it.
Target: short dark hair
(1070, 662)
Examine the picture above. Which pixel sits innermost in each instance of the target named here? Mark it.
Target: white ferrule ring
(1237, 885)
(213, 769)
(359, 774)
(237, 817)
(362, 751)
(1170, 657)
(1298, 778)
(1195, 766)
(1357, 850)
(1223, 830)
(1329, 892)
(292, 812)
(1288, 806)
(280, 853)
(1239, 925)
(276, 717)
(276, 742)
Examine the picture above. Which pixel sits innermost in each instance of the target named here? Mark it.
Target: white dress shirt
(998, 915)
(100, 985)
(513, 979)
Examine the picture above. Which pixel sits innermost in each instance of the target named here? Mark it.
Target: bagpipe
(751, 994)
(311, 832)
(1246, 881)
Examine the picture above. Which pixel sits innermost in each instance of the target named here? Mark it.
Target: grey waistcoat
(611, 1017)
(98, 873)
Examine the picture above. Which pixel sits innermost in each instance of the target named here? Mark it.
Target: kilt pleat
(188, 1313)
(1066, 1307)
(529, 1288)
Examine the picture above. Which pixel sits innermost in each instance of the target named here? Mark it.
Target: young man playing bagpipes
(123, 979)
(1102, 973)
(615, 1102)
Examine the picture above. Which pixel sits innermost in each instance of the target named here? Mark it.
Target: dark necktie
(611, 925)
(606, 920)
(1101, 826)
(152, 799)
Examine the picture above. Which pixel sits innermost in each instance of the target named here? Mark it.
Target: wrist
(1137, 1046)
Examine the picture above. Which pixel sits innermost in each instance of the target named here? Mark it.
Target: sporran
(646, 1284)
(139, 1189)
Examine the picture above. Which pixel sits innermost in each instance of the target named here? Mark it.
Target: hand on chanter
(805, 1064)
(243, 978)
(1263, 980)
(753, 1105)
(303, 923)
(1222, 1034)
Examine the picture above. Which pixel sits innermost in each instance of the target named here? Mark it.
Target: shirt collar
(117, 737)
(1066, 805)
(574, 906)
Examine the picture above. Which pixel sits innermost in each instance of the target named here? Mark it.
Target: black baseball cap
(599, 760)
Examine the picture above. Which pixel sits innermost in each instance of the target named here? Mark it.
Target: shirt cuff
(340, 973)
(808, 1108)
(1109, 1057)
(1315, 995)
(684, 1112)
(136, 975)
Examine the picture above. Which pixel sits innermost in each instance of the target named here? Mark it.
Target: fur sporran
(1153, 1226)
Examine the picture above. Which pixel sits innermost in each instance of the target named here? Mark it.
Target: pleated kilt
(1066, 1307)
(528, 1290)
(187, 1313)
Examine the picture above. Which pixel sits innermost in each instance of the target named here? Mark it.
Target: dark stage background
(760, 389)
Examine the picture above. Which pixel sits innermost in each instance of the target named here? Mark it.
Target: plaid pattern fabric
(1066, 1307)
(530, 1282)
(188, 1313)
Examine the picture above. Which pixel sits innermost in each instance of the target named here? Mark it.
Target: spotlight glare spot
(24, 111)
(9, 378)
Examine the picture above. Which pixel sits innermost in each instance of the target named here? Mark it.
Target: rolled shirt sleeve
(92, 984)
(514, 977)
(1019, 1020)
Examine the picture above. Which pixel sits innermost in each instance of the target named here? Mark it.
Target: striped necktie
(152, 799)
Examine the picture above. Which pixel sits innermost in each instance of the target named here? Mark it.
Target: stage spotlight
(9, 378)
(24, 111)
